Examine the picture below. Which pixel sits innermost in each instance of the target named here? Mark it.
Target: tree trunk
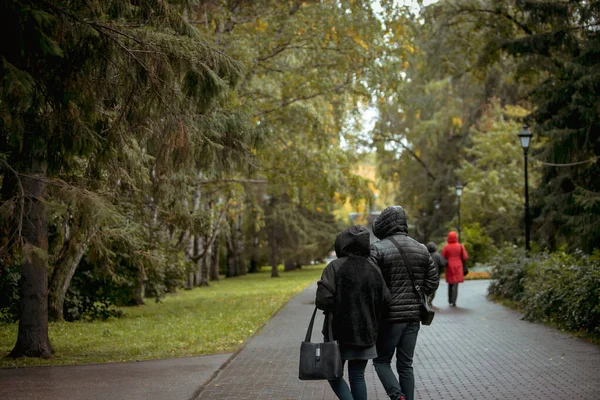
(62, 275)
(253, 266)
(189, 249)
(190, 281)
(231, 262)
(206, 262)
(205, 268)
(290, 265)
(198, 266)
(140, 285)
(239, 246)
(201, 277)
(214, 259)
(253, 256)
(32, 339)
(274, 251)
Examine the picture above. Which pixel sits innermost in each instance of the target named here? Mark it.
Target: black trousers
(452, 293)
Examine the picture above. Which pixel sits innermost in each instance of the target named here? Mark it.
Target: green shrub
(508, 274)
(478, 244)
(89, 297)
(564, 289)
(559, 288)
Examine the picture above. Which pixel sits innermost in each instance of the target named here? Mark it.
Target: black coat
(353, 289)
(404, 303)
(439, 260)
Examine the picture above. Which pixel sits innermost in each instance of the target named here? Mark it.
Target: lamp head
(459, 189)
(525, 137)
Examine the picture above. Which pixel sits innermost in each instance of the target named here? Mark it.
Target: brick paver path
(479, 350)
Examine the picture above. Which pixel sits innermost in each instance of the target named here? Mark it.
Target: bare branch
(282, 47)
(258, 181)
(410, 151)
(297, 99)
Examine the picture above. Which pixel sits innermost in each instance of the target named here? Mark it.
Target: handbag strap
(312, 322)
(412, 280)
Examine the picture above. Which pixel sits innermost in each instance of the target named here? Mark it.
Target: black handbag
(426, 313)
(320, 361)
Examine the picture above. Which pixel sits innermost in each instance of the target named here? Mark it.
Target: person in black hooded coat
(354, 292)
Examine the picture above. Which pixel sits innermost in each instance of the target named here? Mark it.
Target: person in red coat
(456, 254)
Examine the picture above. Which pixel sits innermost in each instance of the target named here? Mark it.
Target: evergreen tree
(101, 100)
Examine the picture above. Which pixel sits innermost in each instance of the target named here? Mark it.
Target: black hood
(392, 220)
(431, 247)
(354, 241)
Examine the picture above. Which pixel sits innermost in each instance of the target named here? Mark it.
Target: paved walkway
(171, 379)
(479, 350)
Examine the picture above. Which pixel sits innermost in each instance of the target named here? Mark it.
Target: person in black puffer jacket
(400, 327)
(354, 292)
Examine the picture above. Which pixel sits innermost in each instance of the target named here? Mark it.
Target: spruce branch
(524, 28)
(21, 200)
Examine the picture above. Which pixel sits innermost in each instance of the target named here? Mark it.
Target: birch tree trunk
(231, 262)
(239, 246)
(274, 256)
(205, 265)
(201, 277)
(272, 238)
(214, 259)
(63, 274)
(140, 285)
(189, 249)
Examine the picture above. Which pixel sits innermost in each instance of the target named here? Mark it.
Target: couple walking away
(374, 306)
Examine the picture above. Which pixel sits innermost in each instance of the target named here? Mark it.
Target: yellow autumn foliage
(260, 25)
(457, 122)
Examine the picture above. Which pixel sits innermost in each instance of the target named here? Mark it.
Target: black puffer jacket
(353, 289)
(404, 303)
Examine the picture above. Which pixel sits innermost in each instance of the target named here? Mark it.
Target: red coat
(455, 253)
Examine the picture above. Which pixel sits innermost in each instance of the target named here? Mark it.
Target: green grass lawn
(208, 320)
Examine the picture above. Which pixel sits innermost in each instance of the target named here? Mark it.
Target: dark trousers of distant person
(452, 293)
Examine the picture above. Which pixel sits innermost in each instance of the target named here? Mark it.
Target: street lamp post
(459, 190)
(525, 139)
